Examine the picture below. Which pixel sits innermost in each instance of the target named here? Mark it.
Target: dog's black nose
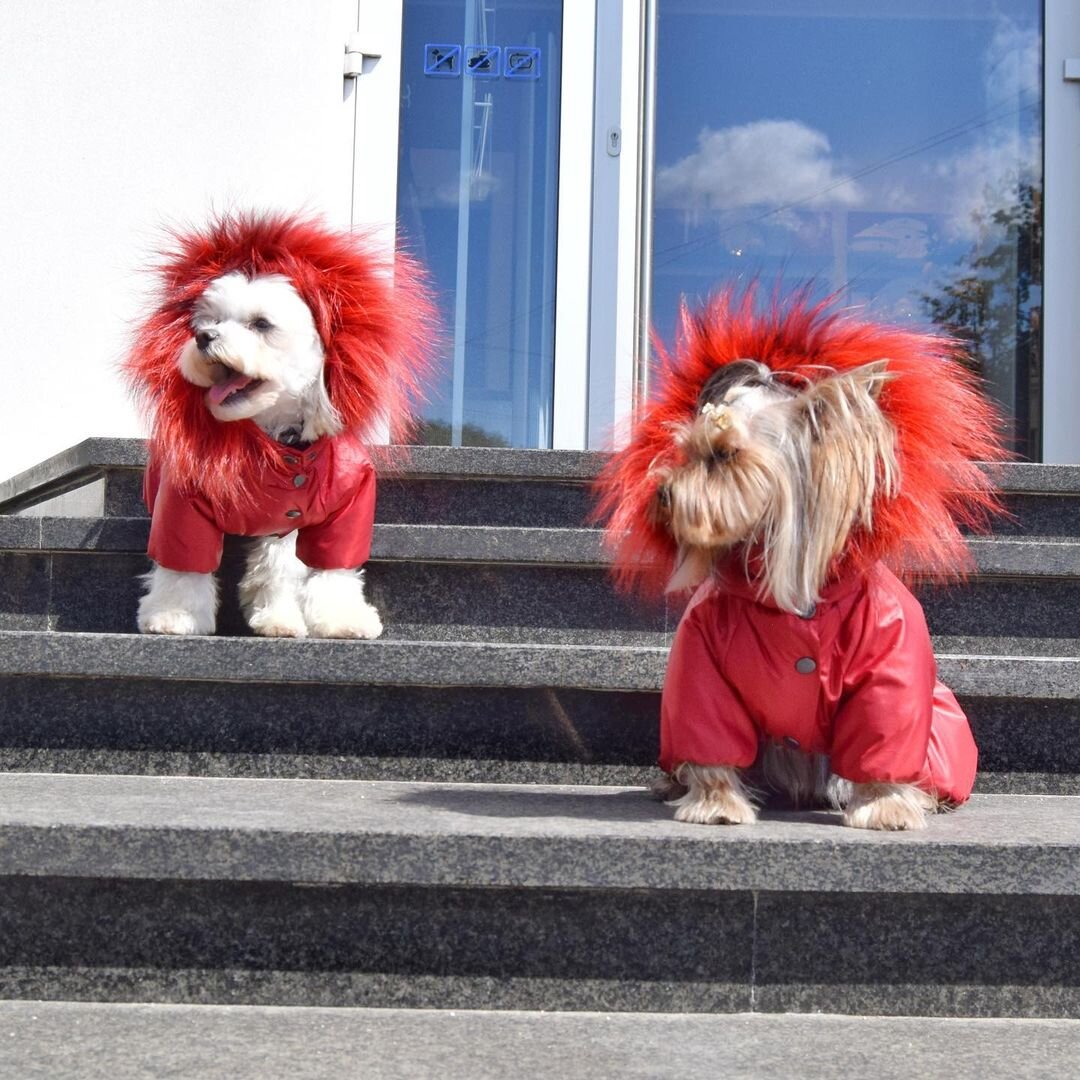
(203, 339)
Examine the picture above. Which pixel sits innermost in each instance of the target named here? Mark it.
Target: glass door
(889, 151)
(478, 191)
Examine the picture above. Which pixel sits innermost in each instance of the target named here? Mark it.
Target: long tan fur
(788, 475)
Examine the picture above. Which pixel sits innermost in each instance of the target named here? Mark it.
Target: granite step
(421, 484)
(469, 486)
(421, 710)
(97, 1041)
(446, 664)
(81, 575)
(504, 897)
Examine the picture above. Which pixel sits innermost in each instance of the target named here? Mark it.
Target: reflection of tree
(994, 303)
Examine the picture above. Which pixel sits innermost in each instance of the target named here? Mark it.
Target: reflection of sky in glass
(879, 148)
(476, 202)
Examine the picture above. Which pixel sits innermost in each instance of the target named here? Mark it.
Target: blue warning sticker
(482, 61)
(522, 62)
(443, 61)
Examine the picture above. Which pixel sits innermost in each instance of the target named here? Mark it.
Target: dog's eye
(262, 325)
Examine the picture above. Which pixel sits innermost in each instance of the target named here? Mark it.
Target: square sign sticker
(522, 62)
(443, 61)
(482, 61)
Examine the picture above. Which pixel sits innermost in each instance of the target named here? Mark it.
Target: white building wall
(117, 116)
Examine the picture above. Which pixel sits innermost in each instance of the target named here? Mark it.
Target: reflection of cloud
(901, 237)
(986, 178)
(481, 185)
(1013, 60)
(967, 186)
(768, 162)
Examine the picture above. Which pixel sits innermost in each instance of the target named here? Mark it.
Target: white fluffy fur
(334, 605)
(260, 328)
(178, 603)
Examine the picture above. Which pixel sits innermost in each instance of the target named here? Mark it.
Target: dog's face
(780, 463)
(253, 346)
(728, 460)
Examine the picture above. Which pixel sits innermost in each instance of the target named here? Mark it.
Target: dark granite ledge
(71, 468)
(382, 662)
(1033, 557)
(510, 836)
(88, 459)
(428, 543)
(445, 663)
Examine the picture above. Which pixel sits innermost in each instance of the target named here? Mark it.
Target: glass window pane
(477, 202)
(889, 150)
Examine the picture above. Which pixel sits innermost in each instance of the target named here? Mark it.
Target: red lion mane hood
(373, 313)
(944, 427)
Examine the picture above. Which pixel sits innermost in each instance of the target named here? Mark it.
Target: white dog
(261, 380)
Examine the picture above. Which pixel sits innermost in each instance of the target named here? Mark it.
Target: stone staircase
(451, 818)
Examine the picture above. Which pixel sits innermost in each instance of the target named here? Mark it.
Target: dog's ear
(321, 418)
(850, 454)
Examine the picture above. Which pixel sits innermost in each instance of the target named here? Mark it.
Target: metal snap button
(805, 665)
(290, 459)
(292, 513)
(299, 481)
(790, 740)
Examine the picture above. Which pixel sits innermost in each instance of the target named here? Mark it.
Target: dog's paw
(715, 808)
(889, 807)
(173, 622)
(714, 796)
(281, 620)
(362, 622)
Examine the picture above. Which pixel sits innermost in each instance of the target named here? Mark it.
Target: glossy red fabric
(335, 500)
(857, 681)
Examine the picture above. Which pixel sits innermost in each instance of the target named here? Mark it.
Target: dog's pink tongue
(220, 391)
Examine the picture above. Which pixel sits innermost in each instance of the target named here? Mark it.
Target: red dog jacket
(856, 680)
(325, 490)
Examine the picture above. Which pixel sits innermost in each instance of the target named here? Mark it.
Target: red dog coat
(326, 491)
(856, 680)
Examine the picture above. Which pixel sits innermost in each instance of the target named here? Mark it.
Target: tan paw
(889, 807)
(714, 796)
(714, 809)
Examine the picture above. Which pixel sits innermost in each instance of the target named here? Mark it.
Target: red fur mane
(944, 427)
(372, 311)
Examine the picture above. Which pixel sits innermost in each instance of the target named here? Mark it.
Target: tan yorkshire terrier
(790, 460)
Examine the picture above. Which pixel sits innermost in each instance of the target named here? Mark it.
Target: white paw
(177, 602)
(361, 622)
(281, 620)
(172, 622)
